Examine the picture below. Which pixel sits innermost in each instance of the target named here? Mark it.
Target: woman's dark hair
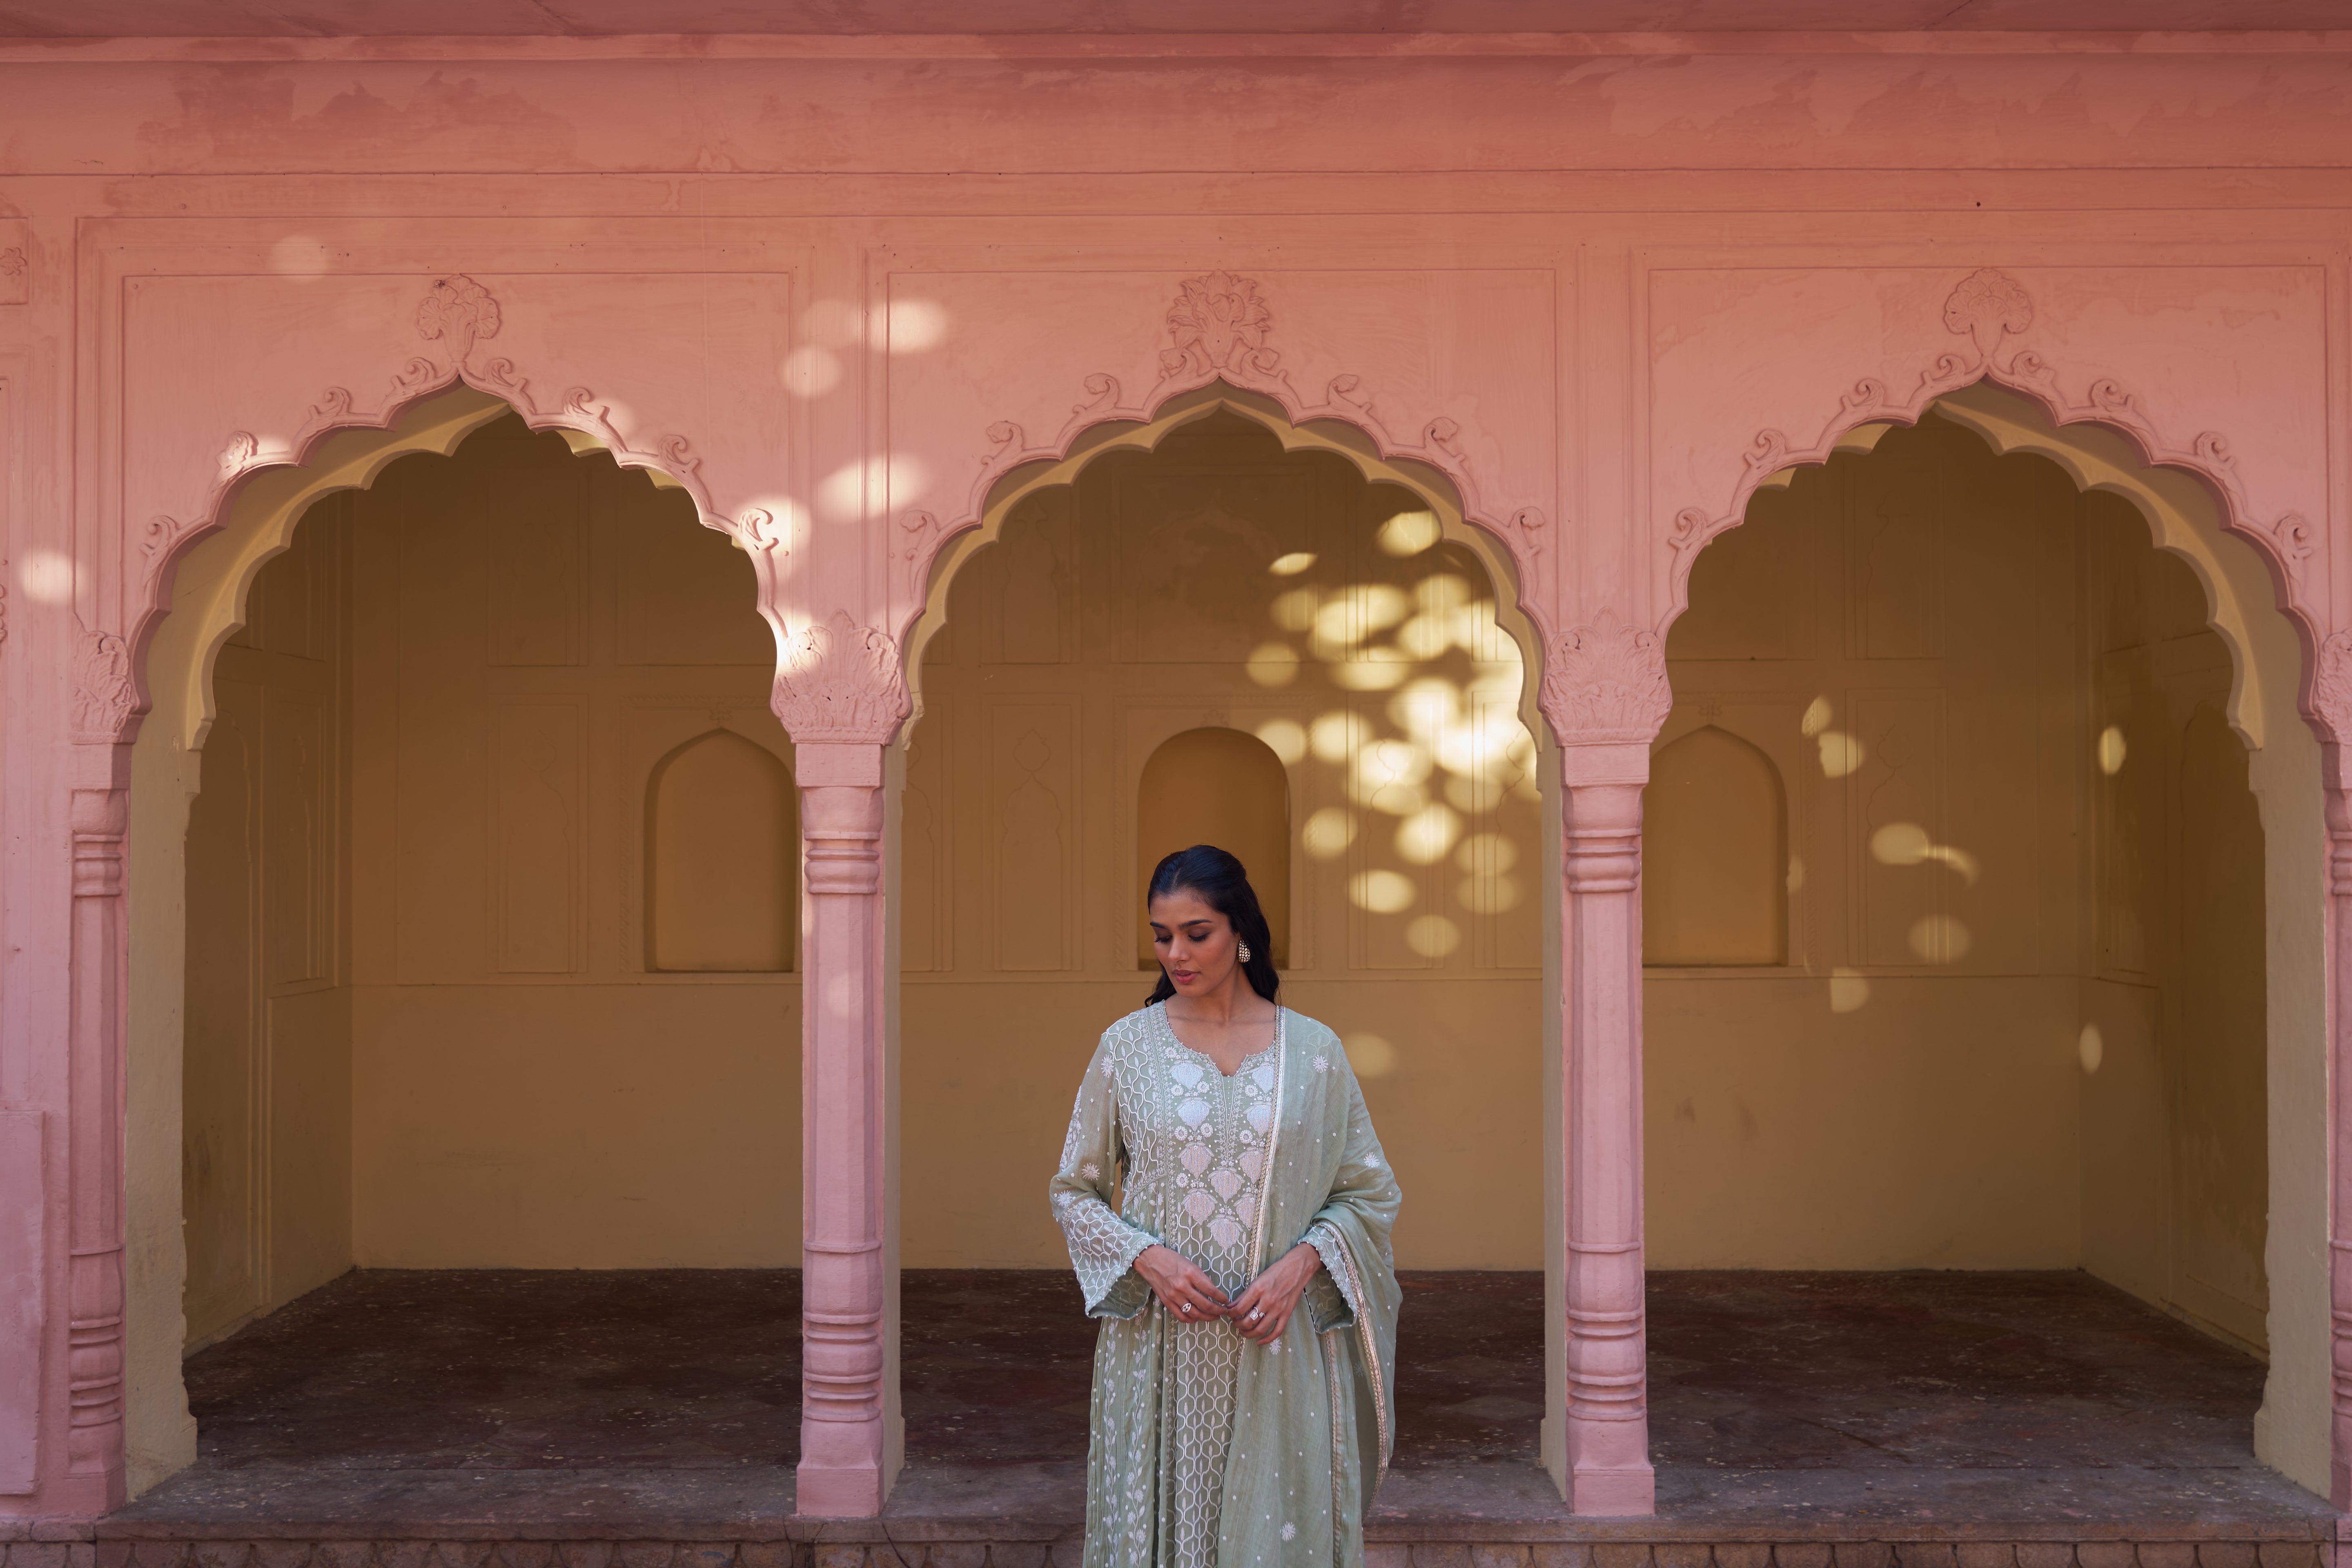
(1225, 886)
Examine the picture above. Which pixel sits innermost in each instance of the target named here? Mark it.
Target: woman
(1228, 1210)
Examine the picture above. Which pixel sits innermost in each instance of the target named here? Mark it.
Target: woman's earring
(1242, 953)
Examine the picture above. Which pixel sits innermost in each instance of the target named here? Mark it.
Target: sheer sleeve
(1103, 1246)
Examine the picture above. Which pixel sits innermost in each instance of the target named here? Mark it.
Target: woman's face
(1194, 943)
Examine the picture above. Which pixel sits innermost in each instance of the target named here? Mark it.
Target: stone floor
(482, 1403)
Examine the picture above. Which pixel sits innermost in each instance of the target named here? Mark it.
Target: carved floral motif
(460, 312)
(1219, 323)
(1987, 306)
(762, 530)
(103, 691)
(1606, 683)
(243, 447)
(1528, 524)
(841, 682)
(922, 529)
(2331, 686)
(2295, 544)
(414, 377)
(1219, 328)
(157, 540)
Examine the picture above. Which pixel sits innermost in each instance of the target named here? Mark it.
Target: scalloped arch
(182, 625)
(938, 552)
(2192, 498)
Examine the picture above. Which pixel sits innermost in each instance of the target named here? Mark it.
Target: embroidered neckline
(1160, 1011)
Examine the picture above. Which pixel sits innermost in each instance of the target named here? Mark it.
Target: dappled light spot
(1383, 892)
(1848, 991)
(810, 371)
(1433, 936)
(1908, 844)
(1285, 738)
(916, 326)
(47, 576)
(1273, 664)
(1295, 610)
(1938, 938)
(1370, 1055)
(1329, 833)
(1409, 532)
(1841, 754)
(1424, 838)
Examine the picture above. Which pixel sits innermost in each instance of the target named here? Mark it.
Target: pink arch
(2105, 405)
(578, 411)
(1343, 404)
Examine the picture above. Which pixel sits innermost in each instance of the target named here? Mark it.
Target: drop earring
(1241, 952)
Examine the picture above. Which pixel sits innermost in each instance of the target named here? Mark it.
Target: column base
(1613, 1492)
(838, 1491)
(71, 1497)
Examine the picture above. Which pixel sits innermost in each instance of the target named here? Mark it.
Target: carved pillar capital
(839, 682)
(1605, 684)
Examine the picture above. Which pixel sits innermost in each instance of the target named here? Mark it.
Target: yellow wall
(1219, 583)
(267, 1102)
(1927, 644)
(474, 671)
(2175, 1167)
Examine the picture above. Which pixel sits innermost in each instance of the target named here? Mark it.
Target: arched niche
(1216, 786)
(722, 827)
(1715, 855)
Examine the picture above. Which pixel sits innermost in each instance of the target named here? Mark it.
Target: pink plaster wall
(836, 287)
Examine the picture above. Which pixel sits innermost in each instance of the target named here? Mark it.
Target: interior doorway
(491, 903)
(1955, 935)
(1219, 639)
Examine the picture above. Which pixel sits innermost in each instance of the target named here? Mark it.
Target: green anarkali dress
(1210, 1451)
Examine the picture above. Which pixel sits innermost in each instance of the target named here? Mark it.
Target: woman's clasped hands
(1259, 1313)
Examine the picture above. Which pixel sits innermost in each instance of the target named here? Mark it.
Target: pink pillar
(1605, 692)
(2339, 806)
(1608, 1406)
(842, 1086)
(840, 695)
(95, 1476)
